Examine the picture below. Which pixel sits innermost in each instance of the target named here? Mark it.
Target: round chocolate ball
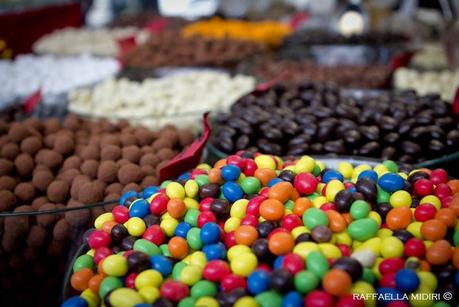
(6, 167)
(7, 183)
(90, 152)
(7, 200)
(144, 136)
(149, 181)
(129, 173)
(64, 144)
(39, 201)
(89, 168)
(110, 152)
(61, 230)
(18, 132)
(58, 191)
(24, 164)
(165, 154)
(114, 188)
(37, 236)
(161, 143)
(68, 175)
(90, 193)
(131, 187)
(77, 217)
(9, 151)
(72, 162)
(31, 145)
(127, 139)
(185, 136)
(47, 219)
(25, 191)
(42, 179)
(131, 153)
(107, 171)
(51, 125)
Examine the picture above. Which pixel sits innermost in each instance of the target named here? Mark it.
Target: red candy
(388, 280)
(216, 270)
(423, 187)
(415, 248)
(205, 204)
(293, 263)
(345, 249)
(250, 167)
(130, 280)
(349, 301)
(231, 281)
(206, 217)
(424, 212)
(443, 190)
(154, 234)
(101, 253)
(305, 183)
(249, 220)
(318, 298)
(158, 204)
(253, 206)
(174, 290)
(120, 214)
(328, 206)
(391, 265)
(229, 239)
(291, 221)
(438, 176)
(99, 238)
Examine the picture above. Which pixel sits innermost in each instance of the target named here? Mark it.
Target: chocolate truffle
(114, 188)
(112, 197)
(42, 179)
(110, 152)
(10, 151)
(72, 162)
(144, 137)
(90, 152)
(77, 183)
(90, 192)
(161, 165)
(49, 140)
(64, 144)
(7, 200)
(68, 175)
(165, 154)
(131, 187)
(51, 125)
(149, 181)
(129, 173)
(25, 191)
(58, 191)
(24, 164)
(71, 122)
(127, 139)
(15, 226)
(107, 171)
(108, 140)
(150, 160)
(6, 167)
(148, 170)
(131, 153)
(89, 168)
(61, 230)
(171, 135)
(37, 236)
(31, 145)
(122, 162)
(50, 158)
(77, 217)
(147, 149)
(18, 132)
(39, 201)
(185, 136)
(161, 143)
(7, 183)
(48, 219)
(4, 139)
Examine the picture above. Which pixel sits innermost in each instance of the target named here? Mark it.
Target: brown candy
(9, 151)
(24, 164)
(31, 145)
(107, 171)
(110, 152)
(7, 200)
(129, 173)
(58, 191)
(42, 179)
(25, 191)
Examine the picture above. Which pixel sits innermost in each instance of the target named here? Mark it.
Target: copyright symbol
(447, 296)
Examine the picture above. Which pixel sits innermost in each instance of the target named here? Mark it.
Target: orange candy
(265, 175)
(178, 247)
(176, 208)
(398, 218)
(456, 257)
(454, 185)
(100, 268)
(245, 235)
(424, 266)
(94, 282)
(272, 210)
(336, 221)
(347, 217)
(215, 176)
(433, 230)
(439, 252)
(80, 279)
(281, 243)
(281, 191)
(295, 195)
(454, 204)
(337, 282)
(220, 163)
(301, 205)
(107, 226)
(447, 216)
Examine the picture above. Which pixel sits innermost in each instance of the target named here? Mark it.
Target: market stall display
(316, 119)
(74, 41)
(254, 230)
(154, 102)
(430, 56)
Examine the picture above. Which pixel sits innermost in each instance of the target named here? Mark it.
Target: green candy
(165, 250)
(441, 304)
(313, 217)
(193, 237)
(165, 183)
(187, 302)
(108, 284)
(313, 196)
(191, 216)
(202, 180)
(250, 185)
(221, 196)
(305, 281)
(391, 166)
(84, 261)
(368, 276)
(363, 229)
(147, 247)
(289, 204)
(359, 209)
(382, 196)
(456, 238)
(269, 299)
(317, 263)
(316, 170)
(203, 288)
(178, 267)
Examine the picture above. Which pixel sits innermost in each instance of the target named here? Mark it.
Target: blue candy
(368, 174)
(75, 301)
(182, 229)
(214, 251)
(232, 191)
(292, 299)
(278, 262)
(210, 233)
(258, 281)
(149, 191)
(274, 181)
(126, 196)
(389, 293)
(332, 175)
(230, 172)
(391, 182)
(184, 176)
(406, 280)
(139, 208)
(161, 264)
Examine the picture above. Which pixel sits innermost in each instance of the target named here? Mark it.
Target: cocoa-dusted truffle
(39, 201)
(61, 230)
(107, 171)
(150, 160)
(78, 217)
(50, 158)
(64, 144)
(185, 136)
(131, 187)
(49, 140)
(58, 191)
(42, 179)
(90, 192)
(127, 139)
(71, 122)
(148, 170)
(72, 162)
(90, 152)
(147, 149)
(7, 200)
(112, 197)
(24, 164)
(95, 212)
(144, 136)
(18, 132)
(110, 140)
(15, 226)
(114, 188)
(110, 152)
(6, 167)
(4, 139)
(94, 140)
(37, 236)
(160, 165)
(122, 162)
(131, 153)
(148, 181)
(171, 135)
(68, 175)
(41, 167)
(4, 126)
(165, 154)
(48, 219)
(33, 122)
(161, 143)
(129, 173)
(77, 183)
(31, 145)
(25, 191)
(7, 183)
(89, 168)
(51, 125)
(10, 151)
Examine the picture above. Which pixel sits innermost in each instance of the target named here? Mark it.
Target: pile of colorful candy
(255, 231)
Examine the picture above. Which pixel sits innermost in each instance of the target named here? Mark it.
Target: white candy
(184, 97)
(53, 75)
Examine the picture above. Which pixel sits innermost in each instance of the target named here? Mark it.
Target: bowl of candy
(255, 230)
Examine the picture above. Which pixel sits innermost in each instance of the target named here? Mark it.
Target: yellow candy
(115, 265)
(305, 165)
(299, 230)
(168, 226)
(321, 165)
(90, 297)
(403, 175)
(246, 301)
(375, 267)
(148, 278)
(345, 168)
(241, 177)
(204, 166)
(290, 168)
(125, 297)
(149, 199)
(237, 250)
(330, 251)
(101, 219)
(207, 301)
(238, 208)
(190, 274)
(320, 187)
(265, 161)
(384, 233)
(232, 224)
(380, 169)
(319, 201)
(421, 297)
(304, 248)
(415, 229)
(376, 217)
(333, 187)
(135, 226)
(391, 247)
(191, 188)
(428, 280)
(431, 199)
(343, 238)
(175, 190)
(358, 169)
(199, 259)
(400, 199)
(373, 244)
(91, 252)
(191, 203)
(364, 288)
(244, 264)
(149, 294)
(280, 163)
